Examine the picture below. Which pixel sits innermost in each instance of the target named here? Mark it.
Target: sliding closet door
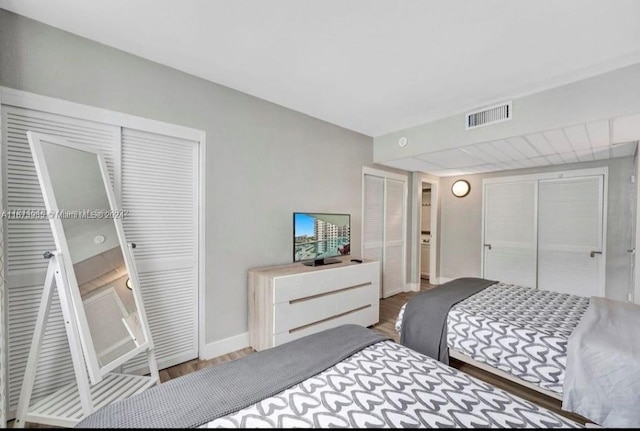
(156, 178)
(570, 235)
(393, 272)
(28, 237)
(373, 218)
(383, 228)
(510, 232)
(160, 192)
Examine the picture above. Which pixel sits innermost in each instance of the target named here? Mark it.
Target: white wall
(263, 161)
(461, 224)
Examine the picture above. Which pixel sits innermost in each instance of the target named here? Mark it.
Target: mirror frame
(96, 371)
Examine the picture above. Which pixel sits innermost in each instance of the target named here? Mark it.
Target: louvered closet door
(383, 229)
(159, 189)
(393, 273)
(570, 236)
(26, 240)
(373, 219)
(510, 232)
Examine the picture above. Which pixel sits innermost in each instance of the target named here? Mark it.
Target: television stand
(320, 262)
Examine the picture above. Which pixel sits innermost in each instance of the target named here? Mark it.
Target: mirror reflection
(95, 251)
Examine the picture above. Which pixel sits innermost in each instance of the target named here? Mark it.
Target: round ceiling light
(460, 188)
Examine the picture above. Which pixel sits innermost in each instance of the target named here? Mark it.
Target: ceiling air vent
(491, 115)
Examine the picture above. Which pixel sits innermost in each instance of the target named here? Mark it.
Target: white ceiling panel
(555, 159)
(455, 158)
(540, 143)
(569, 157)
(541, 161)
(578, 137)
(599, 133)
(527, 163)
(558, 141)
(584, 154)
(508, 149)
(523, 146)
(475, 151)
(492, 151)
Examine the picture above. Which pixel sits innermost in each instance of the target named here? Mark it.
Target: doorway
(424, 234)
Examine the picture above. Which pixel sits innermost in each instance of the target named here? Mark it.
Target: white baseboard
(412, 287)
(227, 345)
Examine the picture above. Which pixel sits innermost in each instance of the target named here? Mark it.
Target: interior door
(510, 232)
(383, 229)
(28, 236)
(571, 252)
(159, 190)
(393, 272)
(373, 219)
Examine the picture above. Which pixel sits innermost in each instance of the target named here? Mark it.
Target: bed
(518, 330)
(348, 376)
(579, 350)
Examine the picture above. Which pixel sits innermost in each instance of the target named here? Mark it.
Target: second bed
(520, 331)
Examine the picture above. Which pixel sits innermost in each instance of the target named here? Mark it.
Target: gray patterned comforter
(390, 385)
(519, 330)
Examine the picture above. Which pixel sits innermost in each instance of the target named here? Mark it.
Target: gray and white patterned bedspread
(519, 330)
(389, 385)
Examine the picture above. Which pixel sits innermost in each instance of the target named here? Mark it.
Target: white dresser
(290, 301)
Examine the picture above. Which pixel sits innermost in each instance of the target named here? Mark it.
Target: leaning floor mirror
(94, 265)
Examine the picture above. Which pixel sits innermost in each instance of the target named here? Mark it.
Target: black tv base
(320, 262)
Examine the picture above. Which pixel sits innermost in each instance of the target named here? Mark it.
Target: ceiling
(379, 66)
(374, 66)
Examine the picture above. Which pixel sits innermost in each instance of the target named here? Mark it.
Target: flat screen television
(319, 237)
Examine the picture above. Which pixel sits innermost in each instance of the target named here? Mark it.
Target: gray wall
(461, 223)
(263, 161)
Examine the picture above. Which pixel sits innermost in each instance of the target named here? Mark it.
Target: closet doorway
(384, 227)
(157, 175)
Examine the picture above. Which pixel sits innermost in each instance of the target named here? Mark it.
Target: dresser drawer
(298, 286)
(363, 317)
(291, 315)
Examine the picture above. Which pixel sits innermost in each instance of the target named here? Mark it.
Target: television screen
(317, 236)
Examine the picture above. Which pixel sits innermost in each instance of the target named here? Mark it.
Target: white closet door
(570, 236)
(159, 189)
(383, 229)
(28, 239)
(373, 218)
(393, 272)
(510, 232)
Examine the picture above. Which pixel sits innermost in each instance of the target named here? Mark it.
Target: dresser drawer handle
(333, 292)
(300, 328)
